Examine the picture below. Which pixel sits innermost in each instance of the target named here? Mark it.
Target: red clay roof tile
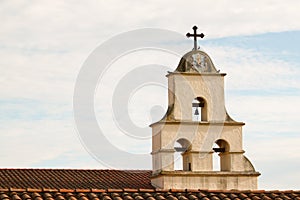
(43, 184)
(73, 178)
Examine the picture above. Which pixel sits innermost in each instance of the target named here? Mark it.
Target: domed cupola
(196, 62)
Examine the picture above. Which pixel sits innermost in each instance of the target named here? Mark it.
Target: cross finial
(195, 35)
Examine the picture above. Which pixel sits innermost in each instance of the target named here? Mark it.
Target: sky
(44, 45)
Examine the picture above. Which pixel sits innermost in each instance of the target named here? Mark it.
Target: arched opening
(216, 159)
(221, 158)
(178, 163)
(181, 156)
(199, 109)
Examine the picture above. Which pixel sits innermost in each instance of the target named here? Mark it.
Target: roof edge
(141, 190)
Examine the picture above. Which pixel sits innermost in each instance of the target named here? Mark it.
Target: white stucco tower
(197, 120)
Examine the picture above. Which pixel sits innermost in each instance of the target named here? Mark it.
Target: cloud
(23, 143)
(275, 158)
(61, 25)
(252, 70)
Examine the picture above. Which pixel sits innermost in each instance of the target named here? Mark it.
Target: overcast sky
(44, 44)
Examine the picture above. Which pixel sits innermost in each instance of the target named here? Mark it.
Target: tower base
(205, 180)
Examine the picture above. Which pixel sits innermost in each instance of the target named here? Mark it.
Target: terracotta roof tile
(255, 197)
(83, 197)
(159, 196)
(182, 197)
(106, 198)
(15, 196)
(44, 184)
(147, 195)
(73, 178)
(93, 196)
(25, 196)
(4, 196)
(127, 197)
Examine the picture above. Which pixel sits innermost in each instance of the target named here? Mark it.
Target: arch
(223, 144)
(184, 143)
(224, 155)
(199, 109)
(182, 160)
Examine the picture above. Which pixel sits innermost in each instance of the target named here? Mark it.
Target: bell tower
(198, 122)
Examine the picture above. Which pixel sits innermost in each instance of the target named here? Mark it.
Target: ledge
(195, 74)
(203, 174)
(193, 151)
(207, 123)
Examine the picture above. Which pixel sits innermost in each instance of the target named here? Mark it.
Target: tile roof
(69, 184)
(74, 178)
(143, 194)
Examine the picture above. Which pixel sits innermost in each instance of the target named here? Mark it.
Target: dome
(196, 62)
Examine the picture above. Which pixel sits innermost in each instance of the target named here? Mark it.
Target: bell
(196, 112)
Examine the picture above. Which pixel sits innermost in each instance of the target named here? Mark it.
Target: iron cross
(195, 35)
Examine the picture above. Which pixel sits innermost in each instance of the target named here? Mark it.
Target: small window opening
(199, 110)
